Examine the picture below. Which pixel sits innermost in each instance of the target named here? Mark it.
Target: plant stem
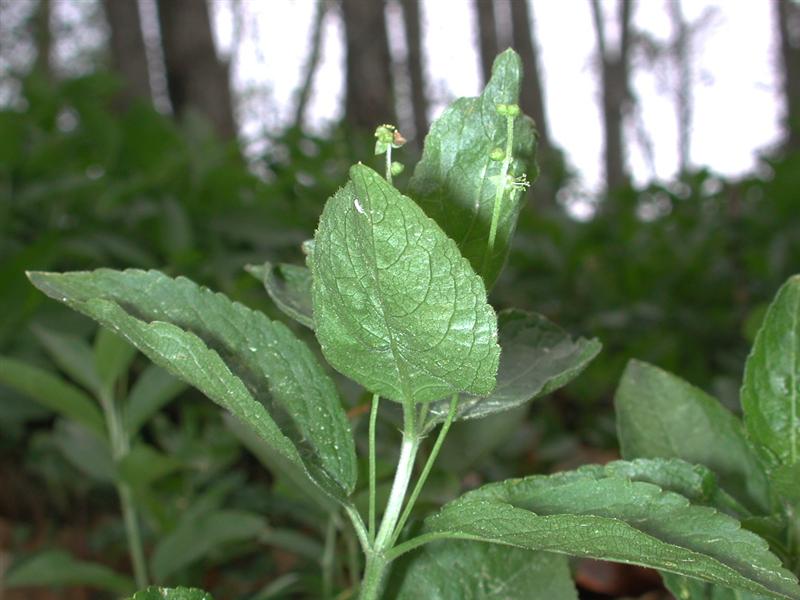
(120, 446)
(389, 164)
(426, 469)
(132, 533)
(373, 418)
(376, 560)
(402, 476)
(501, 186)
(328, 556)
(373, 577)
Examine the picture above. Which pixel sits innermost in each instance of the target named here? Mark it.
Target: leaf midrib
(402, 375)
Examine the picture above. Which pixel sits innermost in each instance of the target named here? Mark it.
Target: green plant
(757, 461)
(397, 291)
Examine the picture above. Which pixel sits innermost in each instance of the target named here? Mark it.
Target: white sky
(736, 111)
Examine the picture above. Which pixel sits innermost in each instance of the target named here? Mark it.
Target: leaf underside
(396, 307)
(536, 358)
(289, 286)
(594, 512)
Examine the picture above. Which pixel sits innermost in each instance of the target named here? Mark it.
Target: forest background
(127, 141)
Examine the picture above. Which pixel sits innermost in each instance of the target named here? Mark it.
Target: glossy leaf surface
(236, 356)
(467, 570)
(661, 415)
(596, 513)
(396, 306)
(180, 593)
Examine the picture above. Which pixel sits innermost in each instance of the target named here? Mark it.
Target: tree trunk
(614, 76)
(196, 79)
(416, 71)
(43, 38)
(304, 91)
(531, 95)
(370, 101)
(487, 36)
(788, 16)
(683, 94)
(128, 55)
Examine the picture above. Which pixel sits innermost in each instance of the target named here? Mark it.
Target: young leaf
(455, 182)
(536, 358)
(592, 513)
(661, 415)
(195, 538)
(154, 389)
(771, 388)
(181, 593)
(228, 352)
(53, 392)
(289, 286)
(59, 569)
(455, 570)
(396, 307)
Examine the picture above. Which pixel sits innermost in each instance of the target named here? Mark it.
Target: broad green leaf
(661, 415)
(112, 356)
(289, 286)
(684, 588)
(59, 569)
(154, 389)
(180, 593)
(455, 181)
(53, 392)
(72, 355)
(466, 570)
(396, 307)
(234, 355)
(195, 538)
(536, 358)
(771, 388)
(595, 513)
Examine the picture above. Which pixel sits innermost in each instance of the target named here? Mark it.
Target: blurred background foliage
(96, 172)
